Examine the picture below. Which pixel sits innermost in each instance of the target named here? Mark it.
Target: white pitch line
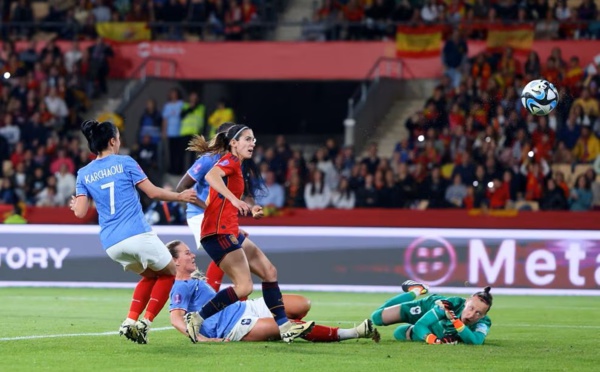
(517, 325)
(35, 337)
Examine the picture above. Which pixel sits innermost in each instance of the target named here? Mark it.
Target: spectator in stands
(99, 54)
(222, 114)
(73, 56)
(62, 159)
(588, 103)
(317, 195)
(294, 192)
(366, 195)
(456, 192)
(372, 159)
(587, 147)
(433, 189)
(354, 14)
(23, 13)
(547, 28)
(406, 186)
(581, 196)
(197, 13)
(57, 106)
(343, 197)
(171, 130)
(35, 183)
(431, 12)
(554, 198)
(8, 194)
(275, 195)
(65, 184)
(591, 175)
(150, 123)
(453, 57)
(192, 117)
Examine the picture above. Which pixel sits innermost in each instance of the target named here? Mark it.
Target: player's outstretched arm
(187, 182)
(154, 192)
(177, 320)
(468, 336)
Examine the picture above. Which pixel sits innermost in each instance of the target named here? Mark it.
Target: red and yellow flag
(124, 31)
(518, 37)
(419, 41)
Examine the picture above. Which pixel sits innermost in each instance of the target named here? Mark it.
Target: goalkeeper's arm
(466, 335)
(422, 328)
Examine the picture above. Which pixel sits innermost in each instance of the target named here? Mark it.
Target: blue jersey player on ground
(110, 181)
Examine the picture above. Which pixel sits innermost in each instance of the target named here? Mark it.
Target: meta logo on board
(504, 262)
(16, 258)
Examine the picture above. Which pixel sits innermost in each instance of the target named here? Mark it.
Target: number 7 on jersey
(111, 188)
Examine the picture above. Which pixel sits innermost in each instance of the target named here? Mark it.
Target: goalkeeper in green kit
(436, 319)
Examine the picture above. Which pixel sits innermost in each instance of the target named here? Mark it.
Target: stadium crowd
(376, 19)
(473, 145)
(331, 19)
(43, 95)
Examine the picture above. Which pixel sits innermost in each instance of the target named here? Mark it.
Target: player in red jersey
(220, 236)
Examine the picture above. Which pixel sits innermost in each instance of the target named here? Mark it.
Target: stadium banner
(419, 41)
(336, 258)
(288, 60)
(518, 37)
(124, 31)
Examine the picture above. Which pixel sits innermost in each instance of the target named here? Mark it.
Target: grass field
(528, 333)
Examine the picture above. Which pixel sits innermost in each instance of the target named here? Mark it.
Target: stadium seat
(527, 205)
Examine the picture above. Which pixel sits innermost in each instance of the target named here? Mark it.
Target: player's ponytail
(216, 145)
(98, 134)
(485, 296)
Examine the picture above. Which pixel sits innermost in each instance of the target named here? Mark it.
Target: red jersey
(220, 216)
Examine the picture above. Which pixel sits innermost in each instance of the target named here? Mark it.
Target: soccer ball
(539, 97)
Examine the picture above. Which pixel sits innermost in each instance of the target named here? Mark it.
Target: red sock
(321, 333)
(214, 276)
(160, 295)
(141, 296)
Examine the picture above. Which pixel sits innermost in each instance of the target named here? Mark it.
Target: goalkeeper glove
(450, 339)
(447, 307)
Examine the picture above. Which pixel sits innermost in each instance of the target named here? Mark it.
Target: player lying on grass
(436, 319)
(244, 320)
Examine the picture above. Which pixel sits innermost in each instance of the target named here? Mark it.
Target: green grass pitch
(528, 333)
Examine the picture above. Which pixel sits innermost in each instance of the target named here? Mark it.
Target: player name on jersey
(103, 173)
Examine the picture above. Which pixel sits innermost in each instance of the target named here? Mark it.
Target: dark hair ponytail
(98, 134)
(485, 296)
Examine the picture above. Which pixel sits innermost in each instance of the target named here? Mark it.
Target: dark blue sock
(274, 301)
(222, 299)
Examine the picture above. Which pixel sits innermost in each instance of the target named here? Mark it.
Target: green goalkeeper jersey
(428, 317)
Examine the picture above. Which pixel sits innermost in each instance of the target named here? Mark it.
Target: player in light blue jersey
(110, 180)
(243, 320)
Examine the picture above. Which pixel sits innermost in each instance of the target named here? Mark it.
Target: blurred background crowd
(472, 145)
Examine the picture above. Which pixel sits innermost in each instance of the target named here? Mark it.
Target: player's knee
(270, 274)
(377, 318)
(243, 289)
(401, 333)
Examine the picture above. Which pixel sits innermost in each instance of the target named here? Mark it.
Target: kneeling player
(244, 320)
(436, 319)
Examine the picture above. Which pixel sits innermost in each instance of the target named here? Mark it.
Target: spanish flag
(418, 41)
(518, 37)
(124, 31)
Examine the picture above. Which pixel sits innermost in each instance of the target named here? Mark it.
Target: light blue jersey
(191, 295)
(111, 181)
(198, 171)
